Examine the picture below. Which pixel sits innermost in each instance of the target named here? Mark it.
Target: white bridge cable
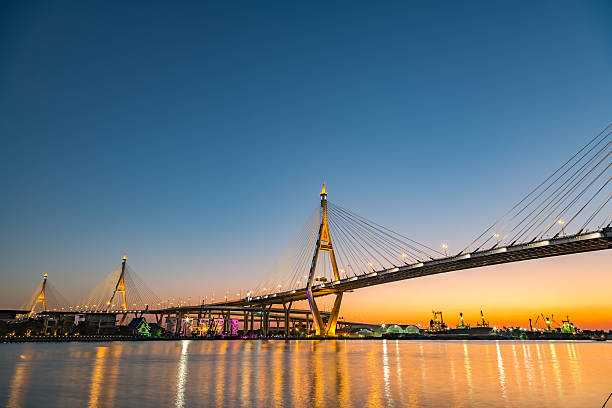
(350, 259)
(293, 259)
(392, 234)
(96, 299)
(138, 295)
(564, 194)
(608, 218)
(53, 299)
(489, 234)
(584, 206)
(562, 191)
(297, 278)
(575, 181)
(542, 208)
(594, 215)
(138, 292)
(362, 242)
(573, 203)
(570, 185)
(363, 260)
(383, 237)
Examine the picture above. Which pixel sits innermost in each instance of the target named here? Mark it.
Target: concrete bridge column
(287, 308)
(266, 323)
(266, 316)
(179, 323)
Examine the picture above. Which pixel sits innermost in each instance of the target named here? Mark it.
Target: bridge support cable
(47, 296)
(289, 271)
(584, 206)
(594, 215)
(379, 248)
(121, 290)
(564, 190)
(608, 218)
(382, 252)
(347, 256)
(566, 193)
(418, 247)
(372, 260)
(552, 202)
(298, 277)
(546, 213)
(392, 246)
(575, 199)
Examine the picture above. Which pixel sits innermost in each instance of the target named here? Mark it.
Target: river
(353, 373)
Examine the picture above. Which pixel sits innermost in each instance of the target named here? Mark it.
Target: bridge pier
(287, 309)
(179, 318)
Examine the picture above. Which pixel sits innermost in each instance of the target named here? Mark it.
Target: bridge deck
(588, 242)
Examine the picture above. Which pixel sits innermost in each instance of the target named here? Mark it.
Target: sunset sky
(196, 136)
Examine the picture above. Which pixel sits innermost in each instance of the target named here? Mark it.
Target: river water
(353, 373)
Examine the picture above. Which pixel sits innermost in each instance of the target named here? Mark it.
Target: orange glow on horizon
(576, 286)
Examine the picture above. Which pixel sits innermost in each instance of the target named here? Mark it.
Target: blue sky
(195, 136)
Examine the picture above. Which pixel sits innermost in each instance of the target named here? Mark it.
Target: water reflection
(19, 382)
(181, 375)
(386, 374)
(502, 373)
(97, 377)
(306, 373)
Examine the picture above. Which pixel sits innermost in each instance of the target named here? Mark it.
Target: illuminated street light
(561, 222)
(445, 247)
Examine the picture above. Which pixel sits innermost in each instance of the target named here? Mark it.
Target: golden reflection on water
(181, 375)
(245, 370)
(220, 369)
(351, 373)
(398, 363)
(343, 374)
(18, 382)
(97, 377)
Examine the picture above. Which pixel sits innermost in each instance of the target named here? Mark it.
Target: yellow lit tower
(324, 243)
(119, 288)
(41, 298)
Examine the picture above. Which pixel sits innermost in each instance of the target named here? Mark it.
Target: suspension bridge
(339, 251)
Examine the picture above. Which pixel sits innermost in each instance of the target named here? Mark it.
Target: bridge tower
(324, 243)
(41, 298)
(120, 288)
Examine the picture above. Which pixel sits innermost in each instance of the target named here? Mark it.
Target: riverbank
(85, 339)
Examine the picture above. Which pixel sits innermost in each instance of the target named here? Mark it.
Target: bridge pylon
(41, 298)
(324, 243)
(120, 288)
